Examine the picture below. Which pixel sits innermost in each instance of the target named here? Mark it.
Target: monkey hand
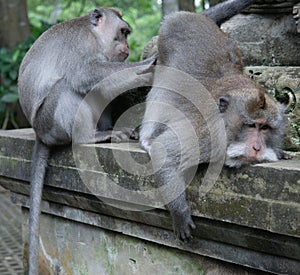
(148, 64)
(182, 224)
(116, 84)
(284, 155)
(130, 132)
(119, 136)
(142, 77)
(151, 60)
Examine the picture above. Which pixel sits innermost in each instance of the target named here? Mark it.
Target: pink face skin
(255, 137)
(252, 148)
(112, 32)
(122, 48)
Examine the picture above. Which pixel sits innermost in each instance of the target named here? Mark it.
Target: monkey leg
(174, 196)
(169, 160)
(181, 216)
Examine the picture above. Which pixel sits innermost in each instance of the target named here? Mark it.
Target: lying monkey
(253, 123)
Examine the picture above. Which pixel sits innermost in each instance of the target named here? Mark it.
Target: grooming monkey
(61, 68)
(253, 122)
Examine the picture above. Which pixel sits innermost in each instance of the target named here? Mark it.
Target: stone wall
(250, 217)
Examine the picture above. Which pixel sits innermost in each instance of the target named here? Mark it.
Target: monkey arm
(96, 70)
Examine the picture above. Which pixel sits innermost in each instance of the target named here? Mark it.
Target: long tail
(39, 164)
(224, 11)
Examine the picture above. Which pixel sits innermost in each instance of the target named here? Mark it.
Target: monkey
(66, 63)
(241, 124)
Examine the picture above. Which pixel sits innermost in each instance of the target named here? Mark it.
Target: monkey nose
(256, 148)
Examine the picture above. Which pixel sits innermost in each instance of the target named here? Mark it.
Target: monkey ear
(223, 103)
(262, 100)
(96, 17)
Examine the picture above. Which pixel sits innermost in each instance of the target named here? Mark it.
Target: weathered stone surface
(249, 217)
(79, 248)
(56, 241)
(296, 15)
(150, 48)
(265, 39)
(272, 6)
(231, 198)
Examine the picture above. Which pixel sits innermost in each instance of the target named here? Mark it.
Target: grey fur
(193, 44)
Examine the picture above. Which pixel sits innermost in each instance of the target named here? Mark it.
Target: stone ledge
(251, 216)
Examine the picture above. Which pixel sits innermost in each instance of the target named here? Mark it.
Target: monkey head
(254, 127)
(111, 32)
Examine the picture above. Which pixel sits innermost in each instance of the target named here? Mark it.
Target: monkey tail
(225, 10)
(39, 164)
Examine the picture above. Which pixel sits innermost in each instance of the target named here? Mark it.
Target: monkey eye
(251, 125)
(264, 127)
(125, 31)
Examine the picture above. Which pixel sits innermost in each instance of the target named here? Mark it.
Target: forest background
(23, 21)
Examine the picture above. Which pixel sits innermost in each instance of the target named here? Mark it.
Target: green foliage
(9, 64)
(10, 61)
(144, 28)
(143, 16)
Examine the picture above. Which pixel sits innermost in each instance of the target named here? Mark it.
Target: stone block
(249, 216)
(265, 39)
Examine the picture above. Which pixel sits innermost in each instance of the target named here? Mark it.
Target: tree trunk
(214, 2)
(169, 6)
(187, 5)
(14, 23)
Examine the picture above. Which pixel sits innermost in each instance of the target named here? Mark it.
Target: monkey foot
(182, 224)
(121, 135)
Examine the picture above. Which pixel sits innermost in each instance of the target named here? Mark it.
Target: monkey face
(255, 126)
(251, 146)
(111, 31)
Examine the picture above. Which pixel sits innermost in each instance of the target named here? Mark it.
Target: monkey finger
(151, 60)
(119, 136)
(102, 136)
(185, 235)
(285, 156)
(183, 232)
(145, 79)
(192, 225)
(149, 65)
(154, 58)
(146, 70)
(134, 134)
(187, 230)
(129, 132)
